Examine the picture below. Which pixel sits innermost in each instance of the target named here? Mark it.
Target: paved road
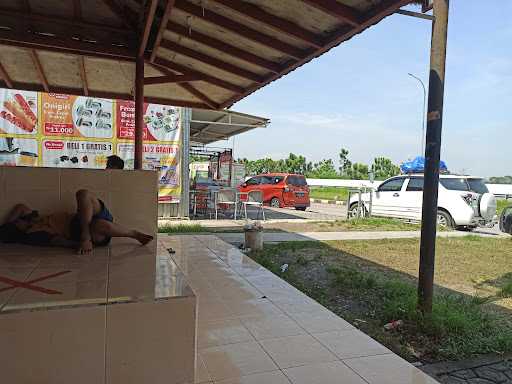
(315, 212)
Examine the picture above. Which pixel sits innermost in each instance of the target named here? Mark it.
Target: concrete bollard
(253, 236)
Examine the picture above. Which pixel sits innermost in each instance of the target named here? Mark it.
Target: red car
(280, 189)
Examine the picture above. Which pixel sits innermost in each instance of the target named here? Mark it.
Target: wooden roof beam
(170, 78)
(208, 78)
(45, 23)
(39, 69)
(276, 23)
(240, 29)
(52, 44)
(163, 26)
(126, 14)
(83, 75)
(111, 95)
(5, 76)
(214, 62)
(340, 11)
(146, 30)
(223, 47)
(200, 95)
(77, 10)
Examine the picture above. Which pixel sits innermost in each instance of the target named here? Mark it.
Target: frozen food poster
(75, 154)
(18, 112)
(161, 122)
(76, 116)
(163, 158)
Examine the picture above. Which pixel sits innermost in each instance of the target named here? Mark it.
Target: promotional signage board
(56, 130)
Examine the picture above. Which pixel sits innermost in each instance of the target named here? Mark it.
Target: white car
(464, 201)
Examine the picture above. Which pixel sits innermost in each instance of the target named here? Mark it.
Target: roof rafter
(39, 69)
(148, 22)
(77, 9)
(127, 15)
(111, 95)
(83, 75)
(240, 29)
(25, 40)
(277, 23)
(223, 47)
(227, 67)
(5, 76)
(200, 95)
(163, 26)
(338, 10)
(208, 78)
(169, 78)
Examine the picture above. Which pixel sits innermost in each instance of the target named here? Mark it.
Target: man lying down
(91, 225)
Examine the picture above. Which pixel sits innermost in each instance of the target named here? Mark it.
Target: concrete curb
(333, 202)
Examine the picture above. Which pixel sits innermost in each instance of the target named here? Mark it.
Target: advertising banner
(76, 116)
(161, 122)
(75, 154)
(163, 158)
(66, 131)
(225, 161)
(18, 112)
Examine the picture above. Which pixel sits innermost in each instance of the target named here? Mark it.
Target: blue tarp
(418, 166)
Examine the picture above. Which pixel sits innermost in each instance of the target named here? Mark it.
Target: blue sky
(359, 96)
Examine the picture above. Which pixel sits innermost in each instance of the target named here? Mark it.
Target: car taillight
(468, 199)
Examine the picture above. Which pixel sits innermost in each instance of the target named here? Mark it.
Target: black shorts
(76, 228)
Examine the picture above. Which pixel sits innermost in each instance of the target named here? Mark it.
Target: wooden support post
(139, 111)
(432, 155)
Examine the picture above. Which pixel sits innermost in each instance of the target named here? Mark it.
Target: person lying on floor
(91, 225)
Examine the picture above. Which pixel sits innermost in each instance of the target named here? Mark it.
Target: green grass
(182, 228)
(502, 204)
(370, 283)
(328, 193)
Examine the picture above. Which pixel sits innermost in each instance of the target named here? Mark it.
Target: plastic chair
(225, 197)
(254, 199)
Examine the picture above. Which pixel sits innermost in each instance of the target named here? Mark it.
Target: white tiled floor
(255, 328)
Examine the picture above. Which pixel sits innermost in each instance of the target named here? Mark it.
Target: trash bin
(253, 236)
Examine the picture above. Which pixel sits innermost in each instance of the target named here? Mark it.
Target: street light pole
(423, 120)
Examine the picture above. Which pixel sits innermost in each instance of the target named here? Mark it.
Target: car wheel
(352, 212)
(444, 220)
(275, 203)
(300, 208)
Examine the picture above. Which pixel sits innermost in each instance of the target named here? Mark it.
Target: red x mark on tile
(29, 284)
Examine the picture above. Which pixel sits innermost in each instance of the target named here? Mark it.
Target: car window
(277, 179)
(394, 185)
(454, 184)
(478, 186)
(298, 181)
(266, 180)
(253, 181)
(415, 184)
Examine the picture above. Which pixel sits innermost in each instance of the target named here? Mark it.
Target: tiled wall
(131, 196)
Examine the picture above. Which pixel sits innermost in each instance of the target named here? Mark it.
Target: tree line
(381, 167)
